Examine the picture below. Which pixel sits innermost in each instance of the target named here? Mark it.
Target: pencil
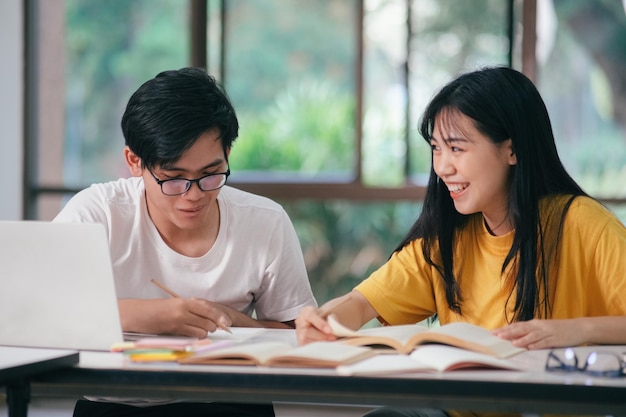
(164, 288)
(173, 294)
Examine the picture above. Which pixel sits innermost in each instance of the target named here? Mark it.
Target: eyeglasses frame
(613, 373)
(190, 181)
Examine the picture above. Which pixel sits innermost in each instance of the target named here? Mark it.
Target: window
(581, 75)
(290, 69)
(328, 92)
(109, 49)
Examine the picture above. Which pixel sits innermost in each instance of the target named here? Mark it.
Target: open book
(428, 358)
(317, 354)
(405, 338)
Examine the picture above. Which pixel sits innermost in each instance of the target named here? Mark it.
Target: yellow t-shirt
(588, 279)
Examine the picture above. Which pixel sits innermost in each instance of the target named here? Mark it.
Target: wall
(11, 108)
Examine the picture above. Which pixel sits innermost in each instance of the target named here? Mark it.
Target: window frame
(37, 41)
(354, 190)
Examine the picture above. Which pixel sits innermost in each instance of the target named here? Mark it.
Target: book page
(405, 338)
(400, 334)
(384, 365)
(316, 354)
(240, 354)
(448, 358)
(322, 355)
(471, 337)
(429, 358)
(237, 333)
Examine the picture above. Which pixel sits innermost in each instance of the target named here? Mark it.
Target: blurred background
(329, 95)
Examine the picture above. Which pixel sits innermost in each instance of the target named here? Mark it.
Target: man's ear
(133, 162)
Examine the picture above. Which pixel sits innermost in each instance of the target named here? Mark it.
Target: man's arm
(192, 317)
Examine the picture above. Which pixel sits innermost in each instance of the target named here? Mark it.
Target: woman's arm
(543, 334)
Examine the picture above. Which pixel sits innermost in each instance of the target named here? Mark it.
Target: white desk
(18, 364)
(530, 391)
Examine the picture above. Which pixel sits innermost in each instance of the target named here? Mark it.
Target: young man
(230, 257)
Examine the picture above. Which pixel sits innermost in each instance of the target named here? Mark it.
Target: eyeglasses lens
(563, 359)
(173, 187)
(603, 363)
(212, 182)
(597, 363)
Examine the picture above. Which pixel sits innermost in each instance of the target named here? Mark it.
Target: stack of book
(166, 349)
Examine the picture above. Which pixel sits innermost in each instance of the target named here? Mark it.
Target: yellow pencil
(173, 294)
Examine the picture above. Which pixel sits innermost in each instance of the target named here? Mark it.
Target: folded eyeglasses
(597, 363)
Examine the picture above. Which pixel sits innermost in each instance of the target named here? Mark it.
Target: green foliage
(273, 43)
(600, 165)
(111, 48)
(343, 242)
(309, 129)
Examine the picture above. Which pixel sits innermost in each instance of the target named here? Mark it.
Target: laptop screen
(57, 288)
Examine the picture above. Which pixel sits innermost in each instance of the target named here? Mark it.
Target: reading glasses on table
(177, 186)
(597, 363)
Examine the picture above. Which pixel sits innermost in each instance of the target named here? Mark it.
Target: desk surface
(21, 362)
(532, 391)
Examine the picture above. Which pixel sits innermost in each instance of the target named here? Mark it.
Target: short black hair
(168, 113)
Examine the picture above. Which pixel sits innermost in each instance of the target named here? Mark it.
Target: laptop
(56, 286)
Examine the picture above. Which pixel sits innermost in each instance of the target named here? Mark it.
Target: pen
(173, 294)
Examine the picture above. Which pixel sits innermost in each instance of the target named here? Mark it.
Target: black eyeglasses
(598, 363)
(177, 186)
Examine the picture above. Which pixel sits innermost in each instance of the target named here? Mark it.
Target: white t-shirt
(256, 264)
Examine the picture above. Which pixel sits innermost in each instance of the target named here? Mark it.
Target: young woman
(506, 239)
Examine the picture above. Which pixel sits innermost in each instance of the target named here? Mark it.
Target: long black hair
(503, 104)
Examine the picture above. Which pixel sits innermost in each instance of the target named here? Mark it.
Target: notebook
(57, 288)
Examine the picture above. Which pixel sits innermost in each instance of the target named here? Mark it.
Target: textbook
(405, 338)
(428, 358)
(316, 355)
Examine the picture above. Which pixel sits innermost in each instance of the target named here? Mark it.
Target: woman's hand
(352, 310)
(543, 334)
(311, 326)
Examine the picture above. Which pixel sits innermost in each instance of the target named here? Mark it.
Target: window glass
(343, 242)
(450, 37)
(580, 53)
(111, 47)
(443, 38)
(384, 98)
(290, 71)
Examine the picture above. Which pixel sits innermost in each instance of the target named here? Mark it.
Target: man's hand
(192, 317)
(179, 316)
